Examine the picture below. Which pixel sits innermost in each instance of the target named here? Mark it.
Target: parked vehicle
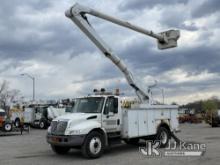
(5, 123)
(41, 115)
(213, 119)
(190, 118)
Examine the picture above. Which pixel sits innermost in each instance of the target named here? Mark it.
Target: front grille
(58, 127)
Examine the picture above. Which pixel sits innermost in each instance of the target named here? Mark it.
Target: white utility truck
(41, 115)
(99, 120)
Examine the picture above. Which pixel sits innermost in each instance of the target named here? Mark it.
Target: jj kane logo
(152, 149)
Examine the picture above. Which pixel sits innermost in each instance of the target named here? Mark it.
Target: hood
(77, 116)
(2, 110)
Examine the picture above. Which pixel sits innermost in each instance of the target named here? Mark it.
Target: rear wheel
(60, 150)
(93, 145)
(17, 122)
(163, 135)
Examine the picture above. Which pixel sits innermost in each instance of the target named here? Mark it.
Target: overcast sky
(36, 38)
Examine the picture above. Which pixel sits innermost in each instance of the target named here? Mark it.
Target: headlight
(75, 132)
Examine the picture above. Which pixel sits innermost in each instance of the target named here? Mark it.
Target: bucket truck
(99, 120)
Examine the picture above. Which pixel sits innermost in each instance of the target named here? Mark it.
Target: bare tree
(7, 95)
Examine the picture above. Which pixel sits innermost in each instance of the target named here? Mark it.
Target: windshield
(69, 109)
(89, 105)
(2, 113)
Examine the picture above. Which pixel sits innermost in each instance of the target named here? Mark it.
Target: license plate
(55, 139)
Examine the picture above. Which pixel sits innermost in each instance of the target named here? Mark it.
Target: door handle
(118, 122)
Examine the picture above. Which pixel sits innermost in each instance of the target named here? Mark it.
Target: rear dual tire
(163, 136)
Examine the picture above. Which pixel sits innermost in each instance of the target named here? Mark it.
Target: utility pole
(33, 80)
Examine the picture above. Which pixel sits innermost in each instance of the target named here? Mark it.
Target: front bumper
(66, 140)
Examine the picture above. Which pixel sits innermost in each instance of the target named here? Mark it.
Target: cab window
(111, 105)
(2, 114)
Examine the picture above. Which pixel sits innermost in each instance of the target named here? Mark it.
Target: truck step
(114, 135)
(114, 141)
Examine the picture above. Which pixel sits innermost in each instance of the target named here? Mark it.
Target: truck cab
(37, 115)
(98, 121)
(99, 113)
(41, 115)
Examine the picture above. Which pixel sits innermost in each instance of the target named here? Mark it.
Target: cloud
(142, 4)
(206, 8)
(32, 30)
(37, 38)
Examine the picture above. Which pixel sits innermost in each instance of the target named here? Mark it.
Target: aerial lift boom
(165, 40)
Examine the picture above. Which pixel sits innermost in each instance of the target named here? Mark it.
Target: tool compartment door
(130, 123)
(142, 123)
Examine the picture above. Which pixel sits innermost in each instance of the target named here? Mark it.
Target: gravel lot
(32, 149)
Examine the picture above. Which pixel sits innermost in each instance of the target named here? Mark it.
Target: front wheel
(93, 145)
(42, 124)
(163, 135)
(60, 150)
(7, 127)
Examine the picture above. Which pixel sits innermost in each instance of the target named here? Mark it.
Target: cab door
(110, 117)
(38, 113)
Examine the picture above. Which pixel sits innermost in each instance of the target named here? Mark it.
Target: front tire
(163, 135)
(60, 150)
(93, 145)
(7, 127)
(42, 124)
